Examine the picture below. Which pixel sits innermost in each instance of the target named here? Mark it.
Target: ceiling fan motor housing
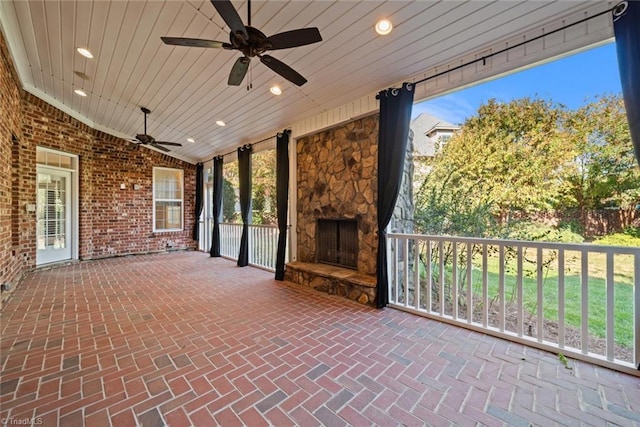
(256, 45)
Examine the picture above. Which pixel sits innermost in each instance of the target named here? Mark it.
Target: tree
(264, 187)
(510, 156)
(604, 172)
(229, 200)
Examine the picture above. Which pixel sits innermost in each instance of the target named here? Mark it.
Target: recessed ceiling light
(80, 92)
(85, 52)
(221, 123)
(275, 90)
(191, 140)
(383, 27)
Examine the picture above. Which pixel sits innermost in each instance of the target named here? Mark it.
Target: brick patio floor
(182, 339)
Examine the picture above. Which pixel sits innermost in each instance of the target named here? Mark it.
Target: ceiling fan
(252, 42)
(144, 139)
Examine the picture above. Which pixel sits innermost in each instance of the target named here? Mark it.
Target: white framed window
(168, 200)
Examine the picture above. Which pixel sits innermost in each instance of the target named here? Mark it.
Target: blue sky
(569, 81)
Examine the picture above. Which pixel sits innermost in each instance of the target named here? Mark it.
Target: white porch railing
(263, 244)
(580, 300)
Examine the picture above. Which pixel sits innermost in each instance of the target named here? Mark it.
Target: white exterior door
(53, 212)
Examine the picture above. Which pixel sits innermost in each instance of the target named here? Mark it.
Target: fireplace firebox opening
(337, 242)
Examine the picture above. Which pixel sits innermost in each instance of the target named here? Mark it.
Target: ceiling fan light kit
(252, 42)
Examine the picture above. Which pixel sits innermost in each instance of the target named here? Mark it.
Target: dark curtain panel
(244, 172)
(626, 26)
(282, 194)
(395, 117)
(217, 206)
(198, 207)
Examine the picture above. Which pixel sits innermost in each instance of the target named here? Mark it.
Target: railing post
(636, 311)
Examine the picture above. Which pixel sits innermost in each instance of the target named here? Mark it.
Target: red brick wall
(111, 221)
(11, 260)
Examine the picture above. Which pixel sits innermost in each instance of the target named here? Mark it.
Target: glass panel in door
(53, 213)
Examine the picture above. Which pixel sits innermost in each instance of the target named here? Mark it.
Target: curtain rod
(485, 57)
(245, 145)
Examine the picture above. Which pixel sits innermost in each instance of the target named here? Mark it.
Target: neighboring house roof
(424, 127)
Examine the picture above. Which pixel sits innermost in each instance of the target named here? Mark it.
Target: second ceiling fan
(252, 42)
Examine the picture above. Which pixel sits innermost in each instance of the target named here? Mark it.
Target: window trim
(154, 200)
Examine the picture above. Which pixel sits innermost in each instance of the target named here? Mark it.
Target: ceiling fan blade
(183, 41)
(238, 71)
(283, 69)
(175, 144)
(230, 16)
(159, 147)
(294, 38)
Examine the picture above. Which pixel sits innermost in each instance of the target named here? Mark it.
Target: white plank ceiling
(186, 87)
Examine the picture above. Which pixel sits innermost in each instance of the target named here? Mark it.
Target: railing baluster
(441, 275)
(540, 283)
(405, 272)
(610, 308)
(416, 274)
(520, 323)
(501, 298)
(395, 244)
(254, 242)
(584, 305)
(429, 289)
(636, 311)
(469, 282)
(561, 302)
(454, 282)
(485, 286)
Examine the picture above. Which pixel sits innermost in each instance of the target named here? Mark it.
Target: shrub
(527, 230)
(630, 237)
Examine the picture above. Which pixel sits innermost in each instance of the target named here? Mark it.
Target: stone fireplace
(337, 178)
(337, 182)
